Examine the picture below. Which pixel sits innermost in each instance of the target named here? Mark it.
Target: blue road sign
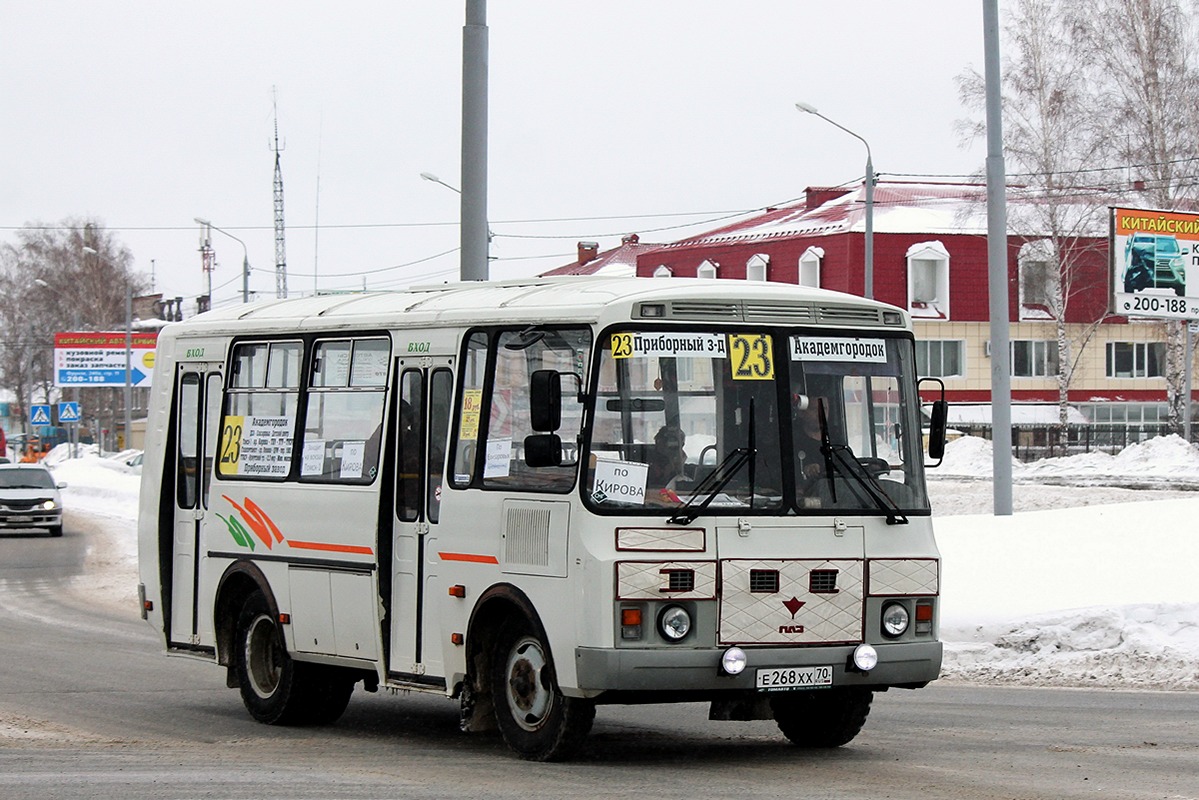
(39, 414)
(99, 377)
(68, 412)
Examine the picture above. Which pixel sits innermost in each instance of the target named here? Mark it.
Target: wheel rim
(264, 656)
(528, 696)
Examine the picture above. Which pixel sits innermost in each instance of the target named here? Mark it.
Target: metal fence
(1033, 442)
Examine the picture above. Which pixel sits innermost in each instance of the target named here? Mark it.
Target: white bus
(539, 496)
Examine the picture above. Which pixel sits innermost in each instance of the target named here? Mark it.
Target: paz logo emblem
(793, 605)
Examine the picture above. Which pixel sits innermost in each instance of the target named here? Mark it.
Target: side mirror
(543, 450)
(936, 430)
(938, 423)
(545, 401)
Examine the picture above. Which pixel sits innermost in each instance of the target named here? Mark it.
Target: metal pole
(869, 224)
(1187, 372)
(473, 223)
(245, 275)
(128, 365)
(997, 270)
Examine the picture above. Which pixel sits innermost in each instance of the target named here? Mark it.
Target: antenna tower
(280, 239)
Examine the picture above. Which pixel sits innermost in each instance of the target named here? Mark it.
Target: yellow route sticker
(750, 357)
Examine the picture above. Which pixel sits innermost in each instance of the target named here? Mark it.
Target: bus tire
(535, 719)
(276, 689)
(825, 718)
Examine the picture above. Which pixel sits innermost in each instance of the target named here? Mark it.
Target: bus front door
(422, 430)
(198, 401)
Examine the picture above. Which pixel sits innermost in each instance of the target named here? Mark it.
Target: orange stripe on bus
(332, 548)
(473, 558)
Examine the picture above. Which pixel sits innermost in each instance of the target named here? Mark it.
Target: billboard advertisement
(97, 358)
(1152, 253)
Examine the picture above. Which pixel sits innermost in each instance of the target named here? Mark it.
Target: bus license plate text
(774, 680)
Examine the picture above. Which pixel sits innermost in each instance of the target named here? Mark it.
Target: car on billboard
(1153, 262)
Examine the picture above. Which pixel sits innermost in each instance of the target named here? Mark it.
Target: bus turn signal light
(924, 618)
(630, 622)
(457, 590)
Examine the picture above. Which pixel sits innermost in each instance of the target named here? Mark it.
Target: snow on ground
(1089, 583)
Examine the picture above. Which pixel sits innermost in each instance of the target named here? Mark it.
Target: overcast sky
(605, 118)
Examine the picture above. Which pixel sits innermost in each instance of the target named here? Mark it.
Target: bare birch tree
(1143, 55)
(1049, 141)
(71, 275)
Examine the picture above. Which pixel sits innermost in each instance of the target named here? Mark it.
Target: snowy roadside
(1081, 587)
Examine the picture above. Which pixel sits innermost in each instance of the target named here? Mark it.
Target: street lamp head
(807, 109)
(200, 221)
(91, 251)
(429, 176)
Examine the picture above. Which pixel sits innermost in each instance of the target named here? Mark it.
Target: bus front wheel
(536, 720)
(825, 718)
(275, 688)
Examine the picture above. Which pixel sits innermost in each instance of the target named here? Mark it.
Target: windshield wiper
(712, 485)
(846, 463)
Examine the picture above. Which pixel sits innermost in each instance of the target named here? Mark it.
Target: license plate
(783, 678)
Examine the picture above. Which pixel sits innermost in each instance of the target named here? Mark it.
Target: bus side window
(470, 406)
(187, 490)
(441, 388)
(519, 355)
(410, 441)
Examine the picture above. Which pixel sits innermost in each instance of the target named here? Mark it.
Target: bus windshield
(755, 421)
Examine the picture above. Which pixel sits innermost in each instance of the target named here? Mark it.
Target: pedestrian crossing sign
(68, 412)
(39, 414)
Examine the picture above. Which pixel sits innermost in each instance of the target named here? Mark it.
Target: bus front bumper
(651, 670)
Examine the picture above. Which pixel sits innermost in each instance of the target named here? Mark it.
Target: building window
(939, 358)
(809, 267)
(1125, 413)
(755, 268)
(706, 269)
(663, 271)
(1135, 359)
(1034, 358)
(928, 281)
(1039, 281)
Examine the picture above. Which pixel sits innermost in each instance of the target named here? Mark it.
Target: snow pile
(1145, 646)
(1162, 462)
(1076, 594)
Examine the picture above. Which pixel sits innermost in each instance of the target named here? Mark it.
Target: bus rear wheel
(536, 720)
(275, 688)
(825, 718)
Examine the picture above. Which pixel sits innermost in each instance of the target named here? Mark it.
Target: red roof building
(930, 257)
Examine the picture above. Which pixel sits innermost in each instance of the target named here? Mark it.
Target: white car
(29, 498)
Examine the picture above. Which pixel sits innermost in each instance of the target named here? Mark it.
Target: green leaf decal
(238, 531)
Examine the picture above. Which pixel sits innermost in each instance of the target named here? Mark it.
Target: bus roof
(569, 299)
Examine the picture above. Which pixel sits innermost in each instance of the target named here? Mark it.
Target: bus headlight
(674, 623)
(733, 661)
(895, 620)
(865, 658)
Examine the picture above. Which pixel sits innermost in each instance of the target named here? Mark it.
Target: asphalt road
(89, 707)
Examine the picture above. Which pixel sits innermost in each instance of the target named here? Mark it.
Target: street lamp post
(245, 261)
(429, 176)
(869, 276)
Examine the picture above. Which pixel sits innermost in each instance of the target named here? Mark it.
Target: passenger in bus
(667, 460)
